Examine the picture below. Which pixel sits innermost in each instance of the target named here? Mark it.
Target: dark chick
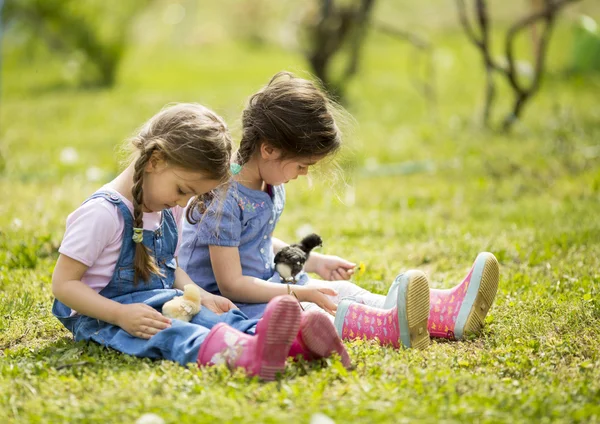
(290, 260)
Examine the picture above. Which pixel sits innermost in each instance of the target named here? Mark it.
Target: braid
(144, 263)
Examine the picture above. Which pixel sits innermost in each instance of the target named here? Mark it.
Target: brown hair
(291, 114)
(185, 135)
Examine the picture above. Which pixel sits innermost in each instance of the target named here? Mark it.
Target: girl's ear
(268, 152)
(156, 163)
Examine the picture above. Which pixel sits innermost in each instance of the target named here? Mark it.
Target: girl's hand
(318, 296)
(217, 304)
(333, 268)
(141, 320)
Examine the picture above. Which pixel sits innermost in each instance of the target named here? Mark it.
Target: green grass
(531, 197)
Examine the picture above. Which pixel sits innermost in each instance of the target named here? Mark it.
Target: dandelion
(94, 174)
(69, 156)
(360, 269)
(150, 419)
(320, 418)
(173, 14)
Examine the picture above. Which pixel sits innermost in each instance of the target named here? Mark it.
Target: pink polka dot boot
(263, 354)
(404, 324)
(461, 310)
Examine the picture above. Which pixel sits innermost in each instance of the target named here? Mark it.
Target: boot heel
(417, 311)
(484, 298)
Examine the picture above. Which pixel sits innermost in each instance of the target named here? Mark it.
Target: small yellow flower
(360, 269)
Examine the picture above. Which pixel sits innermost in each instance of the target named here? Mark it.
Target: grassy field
(426, 189)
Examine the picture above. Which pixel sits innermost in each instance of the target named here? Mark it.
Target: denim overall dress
(180, 342)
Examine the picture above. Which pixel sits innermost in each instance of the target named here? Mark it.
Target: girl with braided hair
(118, 258)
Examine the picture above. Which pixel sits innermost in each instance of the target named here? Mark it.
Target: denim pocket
(124, 282)
(126, 274)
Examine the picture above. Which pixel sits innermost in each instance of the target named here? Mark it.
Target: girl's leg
(347, 289)
(313, 307)
(180, 343)
(234, 318)
(265, 353)
(404, 324)
(461, 310)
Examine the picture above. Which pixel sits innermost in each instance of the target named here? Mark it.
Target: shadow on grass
(65, 353)
(67, 357)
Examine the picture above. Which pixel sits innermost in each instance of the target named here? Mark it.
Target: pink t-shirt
(94, 236)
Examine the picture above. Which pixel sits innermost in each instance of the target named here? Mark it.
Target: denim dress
(245, 219)
(181, 342)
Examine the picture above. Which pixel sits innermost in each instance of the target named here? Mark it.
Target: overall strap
(169, 218)
(116, 200)
(169, 226)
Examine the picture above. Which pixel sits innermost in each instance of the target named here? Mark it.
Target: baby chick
(290, 260)
(184, 307)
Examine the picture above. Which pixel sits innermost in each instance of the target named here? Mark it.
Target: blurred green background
(425, 185)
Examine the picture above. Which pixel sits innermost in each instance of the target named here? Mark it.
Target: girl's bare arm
(137, 319)
(240, 288)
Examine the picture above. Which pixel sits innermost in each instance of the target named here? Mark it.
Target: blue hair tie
(235, 168)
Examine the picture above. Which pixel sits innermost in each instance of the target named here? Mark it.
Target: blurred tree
(335, 26)
(543, 10)
(251, 17)
(586, 46)
(421, 66)
(91, 34)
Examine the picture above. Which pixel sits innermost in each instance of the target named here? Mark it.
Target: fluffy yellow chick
(184, 307)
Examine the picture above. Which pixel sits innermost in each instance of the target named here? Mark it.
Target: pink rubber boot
(318, 338)
(404, 323)
(263, 354)
(461, 310)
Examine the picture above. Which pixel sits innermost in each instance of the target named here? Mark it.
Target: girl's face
(168, 186)
(274, 170)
